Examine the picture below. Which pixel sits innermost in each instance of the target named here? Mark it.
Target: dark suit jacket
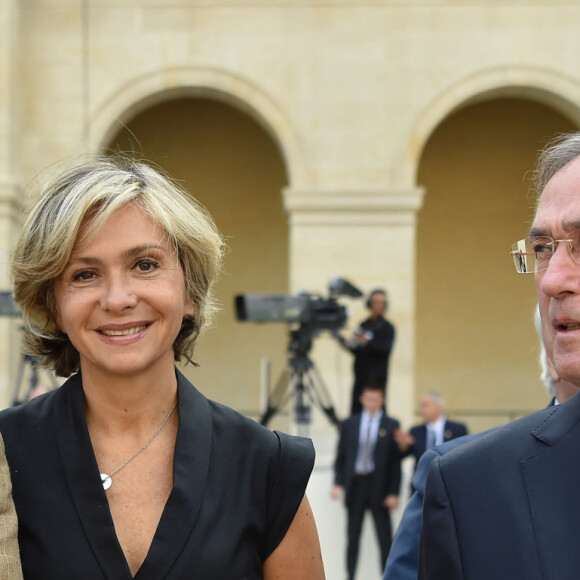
(419, 432)
(371, 361)
(402, 562)
(387, 475)
(508, 504)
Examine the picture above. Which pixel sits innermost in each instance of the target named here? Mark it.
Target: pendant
(107, 481)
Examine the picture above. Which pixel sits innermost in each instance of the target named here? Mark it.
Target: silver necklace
(107, 478)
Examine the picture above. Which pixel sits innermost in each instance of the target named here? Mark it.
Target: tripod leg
(320, 395)
(302, 408)
(17, 387)
(25, 361)
(277, 398)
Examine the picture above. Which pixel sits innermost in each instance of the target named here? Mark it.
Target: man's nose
(562, 274)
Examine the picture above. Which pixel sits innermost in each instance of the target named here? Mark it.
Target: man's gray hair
(556, 155)
(437, 397)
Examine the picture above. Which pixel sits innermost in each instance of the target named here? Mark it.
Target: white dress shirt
(438, 429)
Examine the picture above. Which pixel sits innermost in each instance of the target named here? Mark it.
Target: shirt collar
(439, 424)
(374, 416)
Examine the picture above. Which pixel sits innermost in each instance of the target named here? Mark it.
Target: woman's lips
(123, 331)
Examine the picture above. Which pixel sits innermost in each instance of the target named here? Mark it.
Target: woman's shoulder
(30, 410)
(232, 430)
(34, 414)
(247, 430)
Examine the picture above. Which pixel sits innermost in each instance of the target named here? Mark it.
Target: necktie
(431, 441)
(367, 449)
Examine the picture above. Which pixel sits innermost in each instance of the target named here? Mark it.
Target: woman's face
(121, 298)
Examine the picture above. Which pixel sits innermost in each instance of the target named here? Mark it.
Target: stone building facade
(386, 142)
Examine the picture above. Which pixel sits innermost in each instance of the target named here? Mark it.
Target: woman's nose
(118, 294)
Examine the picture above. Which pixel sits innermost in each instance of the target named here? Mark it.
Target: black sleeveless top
(236, 489)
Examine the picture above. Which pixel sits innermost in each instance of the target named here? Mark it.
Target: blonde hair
(87, 195)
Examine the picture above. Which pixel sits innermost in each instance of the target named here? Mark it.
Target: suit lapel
(354, 438)
(421, 442)
(447, 432)
(552, 479)
(383, 434)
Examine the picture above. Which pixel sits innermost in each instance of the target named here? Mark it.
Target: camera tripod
(10, 310)
(28, 361)
(302, 380)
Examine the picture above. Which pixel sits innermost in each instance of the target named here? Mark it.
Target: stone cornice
(353, 207)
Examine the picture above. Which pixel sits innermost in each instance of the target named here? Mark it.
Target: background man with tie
(368, 472)
(435, 430)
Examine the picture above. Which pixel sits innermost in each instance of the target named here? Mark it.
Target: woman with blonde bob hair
(96, 190)
(127, 471)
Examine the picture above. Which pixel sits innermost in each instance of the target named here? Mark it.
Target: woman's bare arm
(298, 556)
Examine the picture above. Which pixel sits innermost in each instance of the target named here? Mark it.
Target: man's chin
(568, 367)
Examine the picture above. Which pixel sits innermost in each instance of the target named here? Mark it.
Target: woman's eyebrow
(144, 248)
(129, 253)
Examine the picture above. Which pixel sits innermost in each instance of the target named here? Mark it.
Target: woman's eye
(146, 265)
(83, 276)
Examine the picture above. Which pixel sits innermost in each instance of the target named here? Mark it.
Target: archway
(230, 164)
(475, 339)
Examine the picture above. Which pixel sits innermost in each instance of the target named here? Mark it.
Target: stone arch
(143, 92)
(477, 167)
(537, 84)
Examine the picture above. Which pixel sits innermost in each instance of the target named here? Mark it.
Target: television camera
(22, 392)
(310, 314)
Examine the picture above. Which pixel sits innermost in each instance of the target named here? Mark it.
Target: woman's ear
(189, 308)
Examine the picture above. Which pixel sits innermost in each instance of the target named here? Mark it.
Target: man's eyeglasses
(533, 254)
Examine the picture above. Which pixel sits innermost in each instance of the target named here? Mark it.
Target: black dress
(236, 489)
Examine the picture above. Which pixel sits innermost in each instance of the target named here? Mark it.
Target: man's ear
(552, 370)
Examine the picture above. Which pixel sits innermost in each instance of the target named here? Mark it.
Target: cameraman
(371, 345)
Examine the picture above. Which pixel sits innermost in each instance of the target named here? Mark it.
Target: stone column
(368, 237)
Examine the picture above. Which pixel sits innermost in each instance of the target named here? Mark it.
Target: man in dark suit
(368, 472)
(404, 554)
(507, 505)
(371, 345)
(435, 430)
(403, 557)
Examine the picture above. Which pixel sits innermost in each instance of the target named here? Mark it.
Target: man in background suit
(10, 568)
(435, 430)
(368, 472)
